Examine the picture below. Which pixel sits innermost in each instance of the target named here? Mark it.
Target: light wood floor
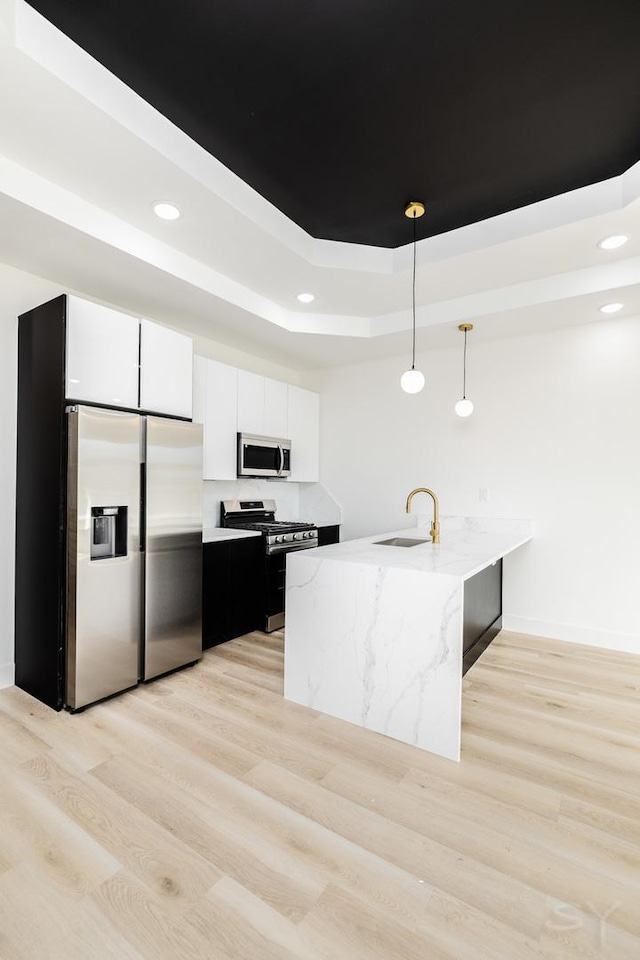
(203, 816)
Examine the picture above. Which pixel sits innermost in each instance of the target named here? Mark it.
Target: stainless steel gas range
(279, 538)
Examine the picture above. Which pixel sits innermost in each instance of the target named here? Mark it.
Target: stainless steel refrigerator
(134, 550)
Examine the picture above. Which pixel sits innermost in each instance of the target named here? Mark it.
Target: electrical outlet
(485, 494)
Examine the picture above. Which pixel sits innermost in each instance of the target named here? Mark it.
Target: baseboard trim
(7, 675)
(590, 637)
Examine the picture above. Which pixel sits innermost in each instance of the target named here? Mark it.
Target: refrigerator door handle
(143, 512)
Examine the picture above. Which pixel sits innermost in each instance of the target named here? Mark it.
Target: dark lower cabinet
(232, 589)
(275, 589)
(327, 535)
(482, 613)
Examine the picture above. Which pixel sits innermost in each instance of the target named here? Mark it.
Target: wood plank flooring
(203, 816)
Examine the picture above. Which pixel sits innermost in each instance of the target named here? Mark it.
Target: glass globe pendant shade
(412, 381)
(464, 407)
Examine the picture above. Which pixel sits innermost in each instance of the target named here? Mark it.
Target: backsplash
(316, 504)
(454, 523)
(294, 501)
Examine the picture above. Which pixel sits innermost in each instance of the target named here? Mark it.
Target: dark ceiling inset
(339, 111)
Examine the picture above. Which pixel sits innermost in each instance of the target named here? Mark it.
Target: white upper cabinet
(199, 389)
(120, 361)
(102, 354)
(214, 405)
(276, 402)
(304, 433)
(262, 405)
(227, 401)
(250, 403)
(166, 370)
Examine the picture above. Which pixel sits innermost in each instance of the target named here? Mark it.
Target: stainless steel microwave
(263, 456)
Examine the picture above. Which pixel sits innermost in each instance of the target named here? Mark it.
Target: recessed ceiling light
(612, 243)
(306, 297)
(611, 307)
(166, 211)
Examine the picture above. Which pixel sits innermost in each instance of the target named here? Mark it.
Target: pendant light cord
(464, 369)
(413, 352)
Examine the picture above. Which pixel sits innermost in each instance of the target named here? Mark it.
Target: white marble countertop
(461, 553)
(215, 534)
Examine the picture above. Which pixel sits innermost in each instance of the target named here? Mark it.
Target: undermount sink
(400, 542)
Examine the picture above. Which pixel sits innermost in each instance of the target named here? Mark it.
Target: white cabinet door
(102, 354)
(304, 433)
(214, 405)
(199, 388)
(262, 405)
(250, 403)
(166, 370)
(276, 396)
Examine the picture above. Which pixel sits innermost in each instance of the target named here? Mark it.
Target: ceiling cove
(338, 113)
(85, 157)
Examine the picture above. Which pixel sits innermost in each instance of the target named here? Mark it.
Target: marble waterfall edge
(374, 631)
(377, 646)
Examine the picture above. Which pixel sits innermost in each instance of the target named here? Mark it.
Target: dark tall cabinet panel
(41, 503)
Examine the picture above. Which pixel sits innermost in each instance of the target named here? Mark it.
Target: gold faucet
(435, 523)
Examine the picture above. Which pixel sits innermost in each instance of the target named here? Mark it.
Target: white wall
(554, 438)
(18, 292)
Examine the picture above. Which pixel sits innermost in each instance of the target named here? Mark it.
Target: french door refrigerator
(134, 550)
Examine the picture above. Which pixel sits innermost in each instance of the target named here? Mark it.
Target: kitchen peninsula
(375, 630)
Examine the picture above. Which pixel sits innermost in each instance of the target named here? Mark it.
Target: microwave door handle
(281, 467)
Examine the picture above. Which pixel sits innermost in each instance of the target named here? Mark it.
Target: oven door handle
(281, 467)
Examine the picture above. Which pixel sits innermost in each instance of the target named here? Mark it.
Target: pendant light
(412, 381)
(464, 407)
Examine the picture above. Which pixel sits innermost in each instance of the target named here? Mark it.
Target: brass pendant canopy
(414, 209)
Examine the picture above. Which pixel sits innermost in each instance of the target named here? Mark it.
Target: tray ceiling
(337, 113)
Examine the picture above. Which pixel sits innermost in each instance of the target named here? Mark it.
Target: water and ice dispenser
(108, 532)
